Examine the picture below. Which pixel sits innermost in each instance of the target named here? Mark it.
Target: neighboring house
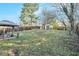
(59, 23)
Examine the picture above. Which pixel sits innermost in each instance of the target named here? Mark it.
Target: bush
(60, 28)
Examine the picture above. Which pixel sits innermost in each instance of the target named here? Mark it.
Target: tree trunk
(31, 20)
(65, 28)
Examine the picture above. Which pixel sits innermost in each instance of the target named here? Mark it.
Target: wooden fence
(21, 28)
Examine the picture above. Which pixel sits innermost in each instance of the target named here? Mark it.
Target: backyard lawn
(39, 43)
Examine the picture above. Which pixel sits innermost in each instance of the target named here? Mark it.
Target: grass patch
(39, 42)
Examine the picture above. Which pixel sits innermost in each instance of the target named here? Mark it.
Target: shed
(6, 23)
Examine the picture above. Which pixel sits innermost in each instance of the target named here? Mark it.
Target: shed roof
(7, 23)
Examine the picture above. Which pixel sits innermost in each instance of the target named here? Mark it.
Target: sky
(44, 5)
(54, 10)
(12, 11)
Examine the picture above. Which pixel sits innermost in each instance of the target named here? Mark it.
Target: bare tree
(48, 18)
(68, 9)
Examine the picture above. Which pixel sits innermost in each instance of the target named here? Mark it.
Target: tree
(69, 10)
(27, 14)
(55, 24)
(48, 18)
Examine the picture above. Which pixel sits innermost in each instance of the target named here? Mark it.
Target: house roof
(7, 23)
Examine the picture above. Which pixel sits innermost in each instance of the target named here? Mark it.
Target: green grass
(38, 43)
